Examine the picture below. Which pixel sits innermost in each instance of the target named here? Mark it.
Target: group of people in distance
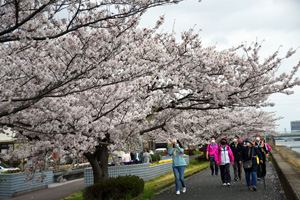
(253, 153)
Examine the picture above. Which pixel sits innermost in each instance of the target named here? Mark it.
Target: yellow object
(160, 162)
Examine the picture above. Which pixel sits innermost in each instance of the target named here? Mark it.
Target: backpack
(264, 148)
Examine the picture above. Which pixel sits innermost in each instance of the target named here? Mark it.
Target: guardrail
(15, 184)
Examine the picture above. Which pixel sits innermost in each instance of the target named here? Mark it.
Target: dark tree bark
(99, 163)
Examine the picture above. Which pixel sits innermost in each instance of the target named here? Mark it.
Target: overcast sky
(227, 23)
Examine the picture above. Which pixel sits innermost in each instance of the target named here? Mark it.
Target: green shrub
(162, 154)
(12, 171)
(1, 180)
(155, 157)
(115, 188)
(196, 152)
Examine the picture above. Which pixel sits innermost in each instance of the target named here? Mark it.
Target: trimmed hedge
(115, 188)
(155, 157)
(196, 152)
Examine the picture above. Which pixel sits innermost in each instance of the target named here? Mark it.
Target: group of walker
(253, 153)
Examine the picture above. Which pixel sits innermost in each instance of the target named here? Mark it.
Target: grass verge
(288, 155)
(155, 185)
(75, 196)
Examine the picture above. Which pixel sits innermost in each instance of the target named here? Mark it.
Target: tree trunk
(103, 161)
(99, 163)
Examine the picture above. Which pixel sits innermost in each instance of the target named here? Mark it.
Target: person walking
(223, 157)
(146, 156)
(236, 148)
(248, 157)
(178, 164)
(210, 155)
(261, 146)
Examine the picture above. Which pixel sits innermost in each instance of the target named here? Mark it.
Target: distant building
(295, 126)
(7, 140)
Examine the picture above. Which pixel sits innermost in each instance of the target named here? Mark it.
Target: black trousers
(261, 171)
(225, 173)
(237, 169)
(212, 162)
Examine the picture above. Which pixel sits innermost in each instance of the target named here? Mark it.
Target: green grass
(76, 196)
(152, 185)
(197, 152)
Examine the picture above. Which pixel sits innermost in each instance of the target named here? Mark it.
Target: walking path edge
(289, 176)
(171, 183)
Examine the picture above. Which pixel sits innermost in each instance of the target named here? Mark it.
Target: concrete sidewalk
(288, 174)
(206, 186)
(55, 191)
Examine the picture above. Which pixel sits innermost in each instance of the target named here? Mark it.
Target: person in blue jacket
(178, 164)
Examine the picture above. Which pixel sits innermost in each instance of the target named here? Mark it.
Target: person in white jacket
(126, 157)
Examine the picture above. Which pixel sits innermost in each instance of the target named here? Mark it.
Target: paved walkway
(55, 191)
(205, 186)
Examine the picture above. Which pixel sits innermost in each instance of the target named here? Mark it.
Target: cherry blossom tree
(84, 86)
(158, 98)
(37, 47)
(197, 127)
(51, 50)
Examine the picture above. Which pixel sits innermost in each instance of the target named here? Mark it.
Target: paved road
(56, 192)
(205, 186)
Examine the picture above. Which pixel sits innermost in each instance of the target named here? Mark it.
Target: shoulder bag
(248, 164)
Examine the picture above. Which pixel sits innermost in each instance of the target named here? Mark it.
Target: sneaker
(228, 184)
(184, 190)
(254, 188)
(236, 179)
(178, 192)
(224, 184)
(258, 179)
(249, 187)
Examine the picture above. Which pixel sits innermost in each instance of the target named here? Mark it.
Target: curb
(53, 185)
(288, 176)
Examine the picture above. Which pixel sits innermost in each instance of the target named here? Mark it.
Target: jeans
(179, 175)
(212, 161)
(225, 173)
(237, 169)
(247, 174)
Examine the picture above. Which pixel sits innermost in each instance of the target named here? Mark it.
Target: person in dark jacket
(137, 157)
(236, 148)
(250, 153)
(261, 146)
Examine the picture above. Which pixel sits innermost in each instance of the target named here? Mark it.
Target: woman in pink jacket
(210, 155)
(223, 157)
